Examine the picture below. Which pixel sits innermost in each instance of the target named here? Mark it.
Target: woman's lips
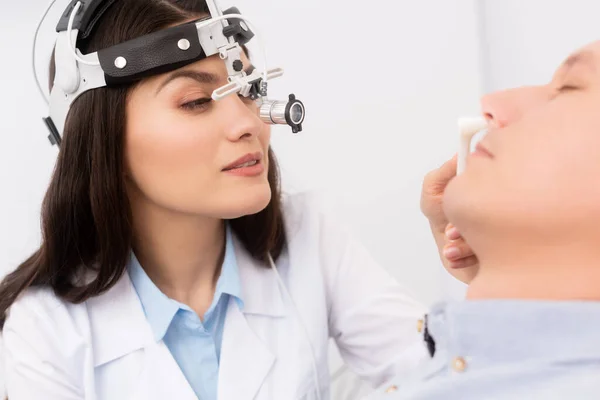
(248, 171)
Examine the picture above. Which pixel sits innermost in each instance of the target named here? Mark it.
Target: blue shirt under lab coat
(194, 344)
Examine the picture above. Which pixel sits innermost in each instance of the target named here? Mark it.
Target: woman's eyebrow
(202, 77)
(199, 76)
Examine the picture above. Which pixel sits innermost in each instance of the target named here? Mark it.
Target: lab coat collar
(120, 326)
(160, 309)
(245, 359)
(260, 289)
(118, 322)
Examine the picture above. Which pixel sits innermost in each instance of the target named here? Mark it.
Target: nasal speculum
(468, 128)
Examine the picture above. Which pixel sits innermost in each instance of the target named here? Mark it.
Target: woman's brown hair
(86, 215)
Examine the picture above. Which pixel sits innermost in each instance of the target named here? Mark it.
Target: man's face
(537, 173)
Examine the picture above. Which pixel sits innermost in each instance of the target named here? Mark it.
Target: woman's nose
(505, 107)
(240, 116)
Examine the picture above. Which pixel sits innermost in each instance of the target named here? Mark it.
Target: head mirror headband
(156, 53)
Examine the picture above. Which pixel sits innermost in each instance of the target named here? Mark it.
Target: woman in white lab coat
(172, 268)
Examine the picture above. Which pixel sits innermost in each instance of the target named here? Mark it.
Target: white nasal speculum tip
(468, 127)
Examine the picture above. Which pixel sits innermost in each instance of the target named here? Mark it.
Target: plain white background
(383, 82)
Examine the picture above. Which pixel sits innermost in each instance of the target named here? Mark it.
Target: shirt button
(459, 364)
(391, 389)
(420, 325)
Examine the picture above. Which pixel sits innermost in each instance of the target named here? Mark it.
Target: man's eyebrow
(202, 77)
(583, 57)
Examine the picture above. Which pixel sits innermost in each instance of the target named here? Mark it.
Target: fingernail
(452, 253)
(452, 233)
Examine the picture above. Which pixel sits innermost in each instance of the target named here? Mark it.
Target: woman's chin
(250, 203)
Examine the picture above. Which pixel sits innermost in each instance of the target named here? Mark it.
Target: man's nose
(505, 107)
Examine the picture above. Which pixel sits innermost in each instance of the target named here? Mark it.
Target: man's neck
(562, 273)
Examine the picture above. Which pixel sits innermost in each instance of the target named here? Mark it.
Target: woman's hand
(455, 253)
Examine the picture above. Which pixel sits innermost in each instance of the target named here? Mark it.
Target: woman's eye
(199, 104)
(203, 103)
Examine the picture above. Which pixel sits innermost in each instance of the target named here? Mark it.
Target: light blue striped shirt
(195, 345)
(501, 350)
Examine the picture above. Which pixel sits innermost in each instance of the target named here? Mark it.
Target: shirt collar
(492, 331)
(229, 280)
(160, 309)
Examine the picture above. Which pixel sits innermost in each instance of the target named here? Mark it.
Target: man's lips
(481, 150)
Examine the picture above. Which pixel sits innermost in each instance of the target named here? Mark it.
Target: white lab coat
(104, 349)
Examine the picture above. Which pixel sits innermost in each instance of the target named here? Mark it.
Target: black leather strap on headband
(151, 54)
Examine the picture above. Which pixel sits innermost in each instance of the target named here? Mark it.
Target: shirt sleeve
(41, 360)
(372, 318)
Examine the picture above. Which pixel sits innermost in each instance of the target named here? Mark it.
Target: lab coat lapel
(246, 360)
(118, 323)
(120, 329)
(162, 378)
(260, 290)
